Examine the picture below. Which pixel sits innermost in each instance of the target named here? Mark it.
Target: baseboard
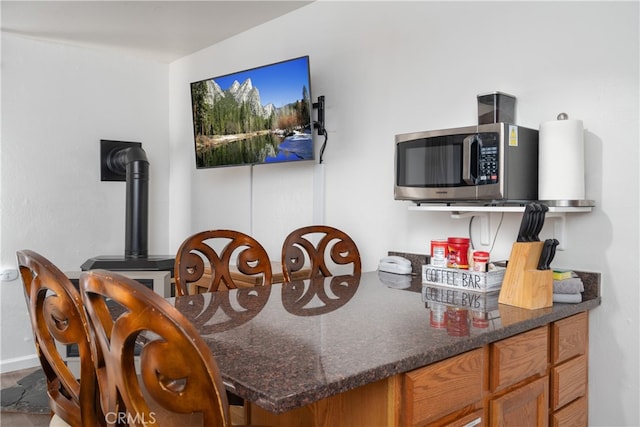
(19, 363)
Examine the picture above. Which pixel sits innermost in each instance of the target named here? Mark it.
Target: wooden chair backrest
(58, 319)
(250, 259)
(343, 250)
(178, 379)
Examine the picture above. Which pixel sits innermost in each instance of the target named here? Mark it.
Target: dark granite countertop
(286, 346)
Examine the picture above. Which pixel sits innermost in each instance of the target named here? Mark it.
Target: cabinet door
(526, 406)
(436, 390)
(572, 415)
(518, 358)
(570, 337)
(569, 381)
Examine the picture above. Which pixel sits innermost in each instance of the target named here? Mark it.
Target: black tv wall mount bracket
(319, 124)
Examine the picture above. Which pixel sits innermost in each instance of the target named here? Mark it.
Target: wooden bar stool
(300, 250)
(198, 261)
(177, 383)
(58, 319)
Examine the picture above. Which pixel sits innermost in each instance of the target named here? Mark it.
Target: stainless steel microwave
(490, 162)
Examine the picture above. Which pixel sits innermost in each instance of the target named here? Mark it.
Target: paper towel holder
(562, 152)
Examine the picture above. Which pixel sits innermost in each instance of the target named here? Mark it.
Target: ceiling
(158, 30)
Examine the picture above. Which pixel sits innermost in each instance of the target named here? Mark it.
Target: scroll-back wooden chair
(314, 245)
(208, 255)
(58, 319)
(178, 383)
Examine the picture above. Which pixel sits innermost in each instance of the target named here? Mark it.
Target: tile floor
(17, 419)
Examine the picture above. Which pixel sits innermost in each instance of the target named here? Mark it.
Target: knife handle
(525, 223)
(552, 251)
(542, 211)
(543, 262)
(534, 223)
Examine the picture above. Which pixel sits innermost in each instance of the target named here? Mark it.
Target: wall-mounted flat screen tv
(256, 116)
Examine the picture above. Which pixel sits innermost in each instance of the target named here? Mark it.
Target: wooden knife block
(524, 285)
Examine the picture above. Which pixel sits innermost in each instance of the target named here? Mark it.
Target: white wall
(384, 68)
(394, 67)
(58, 102)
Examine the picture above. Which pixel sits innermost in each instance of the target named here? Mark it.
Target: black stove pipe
(127, 161)
(134, 162)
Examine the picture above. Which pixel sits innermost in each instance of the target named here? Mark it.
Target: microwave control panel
(488, 165)
(488, 159)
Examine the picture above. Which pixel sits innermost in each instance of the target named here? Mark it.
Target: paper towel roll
(561, 160)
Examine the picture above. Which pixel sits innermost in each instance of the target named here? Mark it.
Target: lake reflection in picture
(266, 148)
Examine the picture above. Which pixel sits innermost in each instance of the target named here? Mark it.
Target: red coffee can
(458, 249)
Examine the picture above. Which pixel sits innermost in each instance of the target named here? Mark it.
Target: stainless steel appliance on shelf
(493, 163)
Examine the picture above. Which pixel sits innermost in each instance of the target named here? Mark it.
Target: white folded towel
(567, 298)
(572, 285)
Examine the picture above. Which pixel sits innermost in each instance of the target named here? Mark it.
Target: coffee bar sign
(464, 279)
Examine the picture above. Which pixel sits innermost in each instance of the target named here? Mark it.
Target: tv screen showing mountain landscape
(261, 115)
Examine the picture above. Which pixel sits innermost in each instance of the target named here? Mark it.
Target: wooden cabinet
(440, 389)
(570, 337)
(569, 382)
(518, 358)
(569, 371)
(536, 378)
(524, 406)
(518, 380)
(574, 414)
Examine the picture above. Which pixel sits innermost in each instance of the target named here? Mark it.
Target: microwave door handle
(466, 159)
